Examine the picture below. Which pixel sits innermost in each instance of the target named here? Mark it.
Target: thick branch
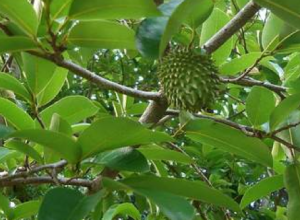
(233, 26)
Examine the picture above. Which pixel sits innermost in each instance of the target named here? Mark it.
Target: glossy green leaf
(71, 108)
(288, 10)
(153, 34)
(53, 87)
(16, 44)
(67, 204)
(211, 26)
(101, 135)
(4, 205)
(283, 110)
(26, 210)
(15, 115)
(239, 64)
(25, 149)
(58, 142)
(259, 105)
(197, 190)
(124, 209)
(6, 154)
(148, 36)
(292, 69)
(102, 34)
(164, 154)
(113, 9)
(5, 131)
(128, 159)
(173, 206)
(21, 13)
(60, 125)
(230, 140)
(199, 14)
(59, 9)
(38, 72)
(263, 188)
(292, 184)
(183, 12)
(9, 82)
(270, 31)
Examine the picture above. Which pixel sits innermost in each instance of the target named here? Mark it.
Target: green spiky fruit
(189, 80)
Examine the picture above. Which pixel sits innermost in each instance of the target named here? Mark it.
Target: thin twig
(285, 128)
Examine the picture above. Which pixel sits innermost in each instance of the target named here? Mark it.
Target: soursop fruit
(189, 79)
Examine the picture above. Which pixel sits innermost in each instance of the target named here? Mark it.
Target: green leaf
(26, 210)
(15, 115)
(292, 69)
(292, 184)
(153, 34)
(229, 139)
(9, 82)
(6, 154)
(124, 209)
(183, 12)
(25, 149)
(199, 14)
(112, 9)
(154, 153)
(149, 35)
(67, 204)
(21, 13)
(212, 25)
(270, 31)
(58, 142)
(102, 34)
(59, 9)
(16, 44)
(72, 108)
(5, 131)
(101, 135)
(174, 207)
(60, 125)
(288, 10)
(259, 105)
(239, 64)
(38, 72)
(4, 205)
(53, 87)
(261, 189)
(283, 110)
(128, 159)
(197, 190)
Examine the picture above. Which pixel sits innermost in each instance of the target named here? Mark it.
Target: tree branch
(98, 80)
(252, 82)
(233, 26)
(25, 174)
(47, 180)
